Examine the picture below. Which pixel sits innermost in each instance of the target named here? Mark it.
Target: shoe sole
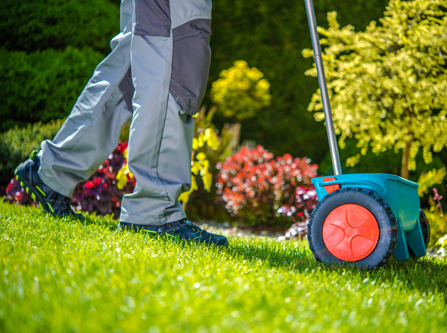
(36, 193)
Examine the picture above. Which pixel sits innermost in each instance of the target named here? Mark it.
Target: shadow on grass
(107, 221)
(427, 275)
(299, 259)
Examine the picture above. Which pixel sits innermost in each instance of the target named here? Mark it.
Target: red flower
(89, 184)
(253, 182)
(18, 195)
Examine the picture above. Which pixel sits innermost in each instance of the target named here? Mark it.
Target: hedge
(42, 85)
(17, 143)
(34, 25)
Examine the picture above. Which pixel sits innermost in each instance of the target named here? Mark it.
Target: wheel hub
(350, 232)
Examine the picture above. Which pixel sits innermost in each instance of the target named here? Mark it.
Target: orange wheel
(352, 226)
(350, 232)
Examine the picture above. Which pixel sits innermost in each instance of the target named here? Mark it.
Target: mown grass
(65, 276)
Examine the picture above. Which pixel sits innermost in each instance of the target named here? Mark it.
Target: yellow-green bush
(387, 85)
(241, 92)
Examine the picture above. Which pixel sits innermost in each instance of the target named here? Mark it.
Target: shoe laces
(193, 227)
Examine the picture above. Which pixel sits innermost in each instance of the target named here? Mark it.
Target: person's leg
(170, 59)
(89, 134)
(92, 130)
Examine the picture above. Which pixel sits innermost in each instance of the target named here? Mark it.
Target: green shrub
(49, 49)
(42, 85)
(438, 226)
(17, 143)
(34, 25)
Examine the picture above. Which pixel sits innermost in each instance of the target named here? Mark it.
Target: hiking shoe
(48, 200)
(183, 230)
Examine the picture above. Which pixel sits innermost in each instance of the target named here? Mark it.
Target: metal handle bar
(323, 87)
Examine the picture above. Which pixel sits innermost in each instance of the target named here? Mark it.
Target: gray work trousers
(156, 74)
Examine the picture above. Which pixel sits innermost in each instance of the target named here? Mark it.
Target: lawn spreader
(362, 219)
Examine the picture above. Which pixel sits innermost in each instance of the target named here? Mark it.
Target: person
(155, 76)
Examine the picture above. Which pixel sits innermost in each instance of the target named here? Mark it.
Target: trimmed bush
(48, 52)
(42, 85)
(16, 145)
(35, 25)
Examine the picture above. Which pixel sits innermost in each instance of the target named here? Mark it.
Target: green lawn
(64, 276)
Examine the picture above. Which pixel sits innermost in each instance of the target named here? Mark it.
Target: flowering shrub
(206, 139)
(15, 193)
(438, 223)
(100, 193)
(241, 91)
(260, 188)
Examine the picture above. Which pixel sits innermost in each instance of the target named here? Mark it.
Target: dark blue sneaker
(183, 230)
(49, 201)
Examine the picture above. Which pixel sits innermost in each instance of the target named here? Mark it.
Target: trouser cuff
(52, 182)
(148, 221)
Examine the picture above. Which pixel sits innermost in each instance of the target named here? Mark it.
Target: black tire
(425, 226)
(367, 199)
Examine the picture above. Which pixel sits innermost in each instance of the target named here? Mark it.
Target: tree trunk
(234, 131)
(237, 134)
(404, 173)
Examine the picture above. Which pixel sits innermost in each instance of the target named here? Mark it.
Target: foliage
(124, 175)
(388, 84)
(241, 92)
(438, 225)
(254, 185)
(299, 228)
(36, 25)
(386, 162)
(16, 194)
(101, 193)
(270, 36)
(48, 53)
(442, 242)
(17, 143)
(205, 139)
(429, 179)
(42, 85)
(216, 146)
(64, 276)
(436, 218)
